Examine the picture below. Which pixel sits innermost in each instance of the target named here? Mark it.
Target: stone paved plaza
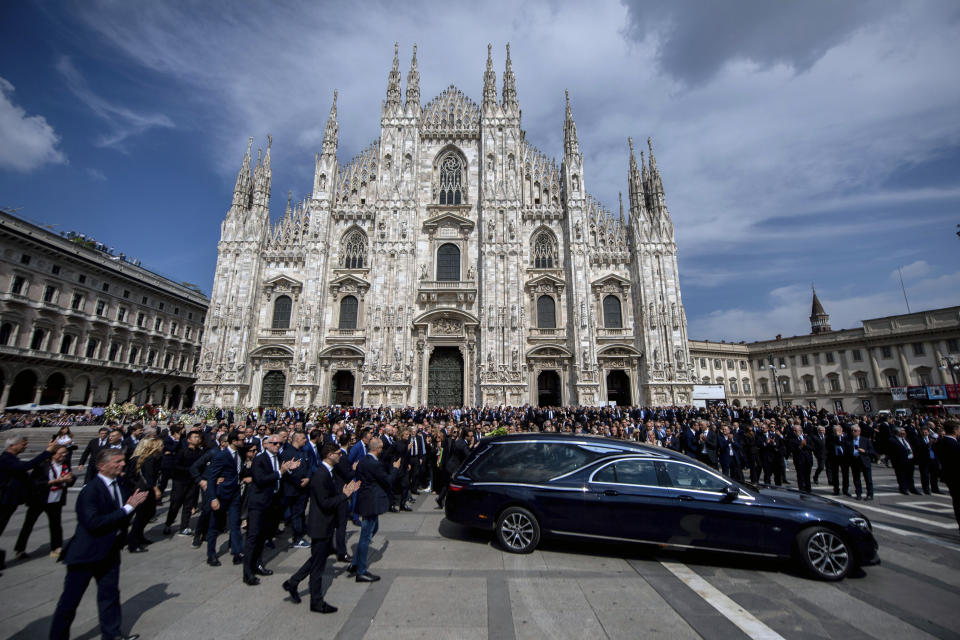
(440, 581)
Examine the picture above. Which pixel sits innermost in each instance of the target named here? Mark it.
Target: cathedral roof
(450, 112)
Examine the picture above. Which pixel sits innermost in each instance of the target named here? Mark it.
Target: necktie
(116, 493)
(276, 469)
(236, 462)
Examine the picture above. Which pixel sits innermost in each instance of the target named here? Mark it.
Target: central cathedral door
(445, 382)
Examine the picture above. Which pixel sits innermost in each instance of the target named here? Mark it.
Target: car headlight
(861, 523)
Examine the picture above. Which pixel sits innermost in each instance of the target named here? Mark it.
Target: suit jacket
(90, 452)
(263, 489)
(802, 454)
(342, 472)
(730, 453)
(101, 525)
(898, 452)
(864, 458)
(947, 451)
(291, 481)
(325, 500)
(15, 484)
(455, 455)
(375, 487)
(222, 465)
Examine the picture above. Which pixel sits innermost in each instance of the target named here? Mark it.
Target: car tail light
(455, 487)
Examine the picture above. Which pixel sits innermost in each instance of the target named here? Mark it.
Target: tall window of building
(101, 307)
(55, 269)
(140, 318)
(92, 345)
(703, 363)
(834, 383)
(918, 348)
(281, 313)
(746, 385)
(121, 314)
(734, 387)
(354, 250)
(173, 328)
(886, 352)
(856, 355)
(151, 357)
(784, 385)
(729, 364)
(451, 179)
(546, 312)
(804, 359)
(126, 293)
(612, 318)
(77, 302)
(953, 345)
(166, 360)
(544, 251)
(17, 286)
(829, 356)
(36, 342)
(134, 352)
(924, 377)
(6, 331)
(24, 259)
(81, 278)
(66, 342)
(716, 363)
(49, 293)
(114, 350)
(105, 287)
(448, 262)
(158, 324)
(861, 383)
(187, 332)
(348, 312)
(783, 363)
(808, 384)
(764, 386)
(893, 380)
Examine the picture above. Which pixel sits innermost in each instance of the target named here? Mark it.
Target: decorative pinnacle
(249, 145)
(269, 142)
(413, 62)
(333, 107)
(489, 56)
(508, 56)
(396, 56)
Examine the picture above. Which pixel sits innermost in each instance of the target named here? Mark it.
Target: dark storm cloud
(697, 38)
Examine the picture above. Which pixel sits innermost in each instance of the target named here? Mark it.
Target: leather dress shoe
(238, 558)
(251, 580)
(394, 509)
(366, 577)
(291, 588)
(263, 571)
(345, 558)
(323, 607)
(405, 508)
(213, 562)
(352, 570)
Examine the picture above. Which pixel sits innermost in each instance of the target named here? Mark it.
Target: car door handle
(685, 498)
(611, 492)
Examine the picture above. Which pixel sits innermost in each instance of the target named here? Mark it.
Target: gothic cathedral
(449, 263)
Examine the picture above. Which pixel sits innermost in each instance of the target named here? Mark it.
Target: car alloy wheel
(518, 530)
(825, 554)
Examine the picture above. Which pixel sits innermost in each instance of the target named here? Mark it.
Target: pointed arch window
(451, 179)
(612, 318)
(348, 312)
(354, 250)
(448, 262)
(281, 312)
(546, 312)
(544, 252)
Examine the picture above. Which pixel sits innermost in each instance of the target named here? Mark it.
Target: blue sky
(798, 142)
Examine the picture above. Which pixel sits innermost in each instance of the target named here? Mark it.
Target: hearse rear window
(532, 461)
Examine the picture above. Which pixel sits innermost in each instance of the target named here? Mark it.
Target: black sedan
(524, 486)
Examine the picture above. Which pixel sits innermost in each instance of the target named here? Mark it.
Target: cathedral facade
(449, 263)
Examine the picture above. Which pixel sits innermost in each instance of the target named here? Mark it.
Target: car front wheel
(518, 530)
(824, 553)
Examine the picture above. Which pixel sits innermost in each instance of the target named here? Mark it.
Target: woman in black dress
(145, 476)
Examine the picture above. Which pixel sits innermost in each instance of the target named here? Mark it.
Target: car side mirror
(731, 494)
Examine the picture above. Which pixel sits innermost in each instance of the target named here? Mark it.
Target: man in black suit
(730, 455)
(798, 444)
(859, 450)
(223, 493)
(89, 454)
(342, 475)
(947, 451)
(453, 457)
(901, 455)
(372, 500)
(294, 489)
(838, 464)
(263, 507)
(15, 484)
(94, 550)
(327, 497)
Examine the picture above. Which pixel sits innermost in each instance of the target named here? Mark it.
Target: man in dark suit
(223, 492)
(94, 550)
(15, 484)
(89, 454)
(838, 464)
(859, 450)
(947, 451)
(372, 500)
(264, 506)
(798, 444)
(903, 459)
(296, 493)
(327, 497)
(342, 475)
(453, 457)
(730, 455)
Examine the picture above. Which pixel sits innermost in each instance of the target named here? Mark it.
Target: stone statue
(470, 272)
(423, 271)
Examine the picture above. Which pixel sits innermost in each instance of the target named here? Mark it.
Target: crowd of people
(276, 478)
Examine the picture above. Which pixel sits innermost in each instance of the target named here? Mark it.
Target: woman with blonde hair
(145, 474)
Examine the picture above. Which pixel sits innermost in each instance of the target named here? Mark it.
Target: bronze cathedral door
(445, 382)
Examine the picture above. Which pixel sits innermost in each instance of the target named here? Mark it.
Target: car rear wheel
(518, 530)
(824, 553)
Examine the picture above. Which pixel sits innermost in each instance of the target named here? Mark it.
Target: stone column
(91, 391)
(66, 394)
(904, 367)
(5, 396)
(941, 376)
(874, 367)
(38, 390)
(113, 396)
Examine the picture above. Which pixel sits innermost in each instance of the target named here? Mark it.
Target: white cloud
(123, 122)
(29, 142)
(787, 309)
(912, 270)
(96, 175)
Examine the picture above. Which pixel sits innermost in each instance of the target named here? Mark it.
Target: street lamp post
(776, 383)
(953, 365)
